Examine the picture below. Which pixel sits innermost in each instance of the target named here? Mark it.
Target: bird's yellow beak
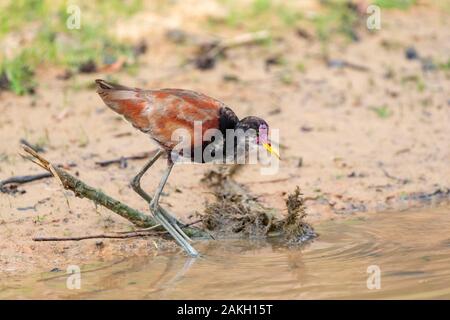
(269, 148)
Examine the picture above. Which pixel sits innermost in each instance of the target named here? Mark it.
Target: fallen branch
(83, 190)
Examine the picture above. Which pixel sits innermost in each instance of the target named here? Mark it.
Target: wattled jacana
(159, 113)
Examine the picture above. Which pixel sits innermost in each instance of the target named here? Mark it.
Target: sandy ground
(345, 157)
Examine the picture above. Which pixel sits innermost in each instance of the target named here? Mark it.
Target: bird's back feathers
(160, 112)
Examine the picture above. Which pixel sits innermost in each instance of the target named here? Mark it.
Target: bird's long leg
(166, 222)
(160, 214)
(155, 201)
(154, 205)
(136, 185)
(136, 182)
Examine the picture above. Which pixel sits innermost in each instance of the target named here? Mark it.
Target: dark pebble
(140, 48)
(302, 33)
(411, 53)
(88, 67)
(272, 61)
(275, 111)
(205, 62)
(306, 129)
(4, 81)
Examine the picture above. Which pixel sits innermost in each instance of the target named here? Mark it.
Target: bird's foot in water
(161, 214)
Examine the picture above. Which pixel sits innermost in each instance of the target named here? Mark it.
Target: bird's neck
(227, 120)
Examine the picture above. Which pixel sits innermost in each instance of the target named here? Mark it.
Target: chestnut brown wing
(174, 109)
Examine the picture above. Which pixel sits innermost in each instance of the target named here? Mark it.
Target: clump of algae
(235, 212)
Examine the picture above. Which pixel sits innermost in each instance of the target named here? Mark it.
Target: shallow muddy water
(410, 249)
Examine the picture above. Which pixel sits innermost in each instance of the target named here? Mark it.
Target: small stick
(273, 180)
(337, 63)
(98, 236)
(213, 48)
(29, 178)
(121, 160)
(243, 39)
(192, 223)
(35, 147)
(24, 179)
(388, 175)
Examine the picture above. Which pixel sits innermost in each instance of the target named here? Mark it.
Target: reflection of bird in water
(159, 113)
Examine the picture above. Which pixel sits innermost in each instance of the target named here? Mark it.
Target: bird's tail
(129, 102)
(104, 85)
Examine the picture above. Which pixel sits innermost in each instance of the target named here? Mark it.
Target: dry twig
(209, 51)
(122, 160)
(23, 179)
(98, 236)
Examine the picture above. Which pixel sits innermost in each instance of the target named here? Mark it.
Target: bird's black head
(256, 129)
(261, 130)
(254, 123)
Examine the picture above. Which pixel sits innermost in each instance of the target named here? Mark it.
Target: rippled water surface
(411, 249)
